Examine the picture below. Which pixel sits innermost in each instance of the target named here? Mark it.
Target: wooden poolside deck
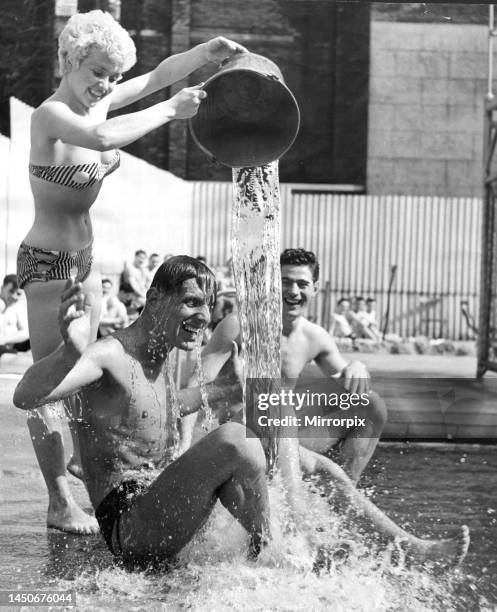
(432, 397)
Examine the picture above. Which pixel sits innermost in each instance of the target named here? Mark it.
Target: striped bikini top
(77, 176)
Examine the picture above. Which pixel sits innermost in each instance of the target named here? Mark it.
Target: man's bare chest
(294, 356)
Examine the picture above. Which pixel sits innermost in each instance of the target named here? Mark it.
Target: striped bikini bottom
(41, 265)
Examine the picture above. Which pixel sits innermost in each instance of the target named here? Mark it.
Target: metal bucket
(250, 117)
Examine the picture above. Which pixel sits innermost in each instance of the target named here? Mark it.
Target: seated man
(342, 320)
(14, 334)
(303, 342)
(154, 262)
(363, 324)
(148, 503)
(113, 315)
(134, 283)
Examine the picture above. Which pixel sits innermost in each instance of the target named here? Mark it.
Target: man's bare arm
(222, 392)
(69, 367)
(354, 374)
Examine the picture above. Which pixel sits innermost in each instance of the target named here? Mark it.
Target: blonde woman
(73, 148)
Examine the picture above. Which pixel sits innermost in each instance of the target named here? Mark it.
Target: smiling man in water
(148, 502)
(303, 342)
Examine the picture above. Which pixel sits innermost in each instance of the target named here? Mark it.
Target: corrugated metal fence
(433, 241)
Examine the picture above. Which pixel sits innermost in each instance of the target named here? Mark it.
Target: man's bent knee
(236, 440)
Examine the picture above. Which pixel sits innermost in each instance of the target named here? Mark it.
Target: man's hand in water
(356, 377)
(220, 48)
(74, 317)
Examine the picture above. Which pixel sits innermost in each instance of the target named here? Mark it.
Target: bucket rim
(268, 76)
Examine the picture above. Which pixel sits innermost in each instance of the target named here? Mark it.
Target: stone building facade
(391, 94)
(322, 49)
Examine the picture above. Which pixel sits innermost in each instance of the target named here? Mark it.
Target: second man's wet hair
(179, 268)
(301, 257)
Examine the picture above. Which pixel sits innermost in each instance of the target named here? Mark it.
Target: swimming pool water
(428, 490)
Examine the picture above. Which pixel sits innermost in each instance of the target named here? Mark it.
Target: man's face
(361, 306)
(106, 287)
(183, 315)
(9, 294)
(297, 288)
(140, 260)
(153, 261)
(344, 307)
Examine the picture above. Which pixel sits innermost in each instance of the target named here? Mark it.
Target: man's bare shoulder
(318, 339)
(227, 330)
(106, 352)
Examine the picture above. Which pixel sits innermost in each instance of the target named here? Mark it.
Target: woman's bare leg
(45, 425)
(224, 465)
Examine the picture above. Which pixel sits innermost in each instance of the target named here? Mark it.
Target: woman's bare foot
(74, 468)
(445, 553)
(68, 516)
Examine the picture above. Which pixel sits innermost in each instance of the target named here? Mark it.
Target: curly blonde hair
(96, 29)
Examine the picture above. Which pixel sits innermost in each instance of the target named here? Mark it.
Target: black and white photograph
(248, 305)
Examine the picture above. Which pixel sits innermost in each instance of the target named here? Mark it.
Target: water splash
(255, 244)
(213, 573)
(205, 411)
(174, 406)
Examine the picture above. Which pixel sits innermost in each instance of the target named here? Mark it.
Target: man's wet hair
(177, 269)
(301, 257)
(11, 279)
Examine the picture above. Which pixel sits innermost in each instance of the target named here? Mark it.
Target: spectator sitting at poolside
(371, 310)
(342, 321)
(363, 325)
(14, 334)
(154, 262)
(226, 295)
(113, 315)
(133, 286)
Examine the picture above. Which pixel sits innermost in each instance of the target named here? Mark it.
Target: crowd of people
(120, 305)
(355, 318)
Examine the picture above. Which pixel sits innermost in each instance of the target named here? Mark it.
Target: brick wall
(427, 86)
(322, 50)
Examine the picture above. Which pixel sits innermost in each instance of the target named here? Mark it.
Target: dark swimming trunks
(110, 509)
